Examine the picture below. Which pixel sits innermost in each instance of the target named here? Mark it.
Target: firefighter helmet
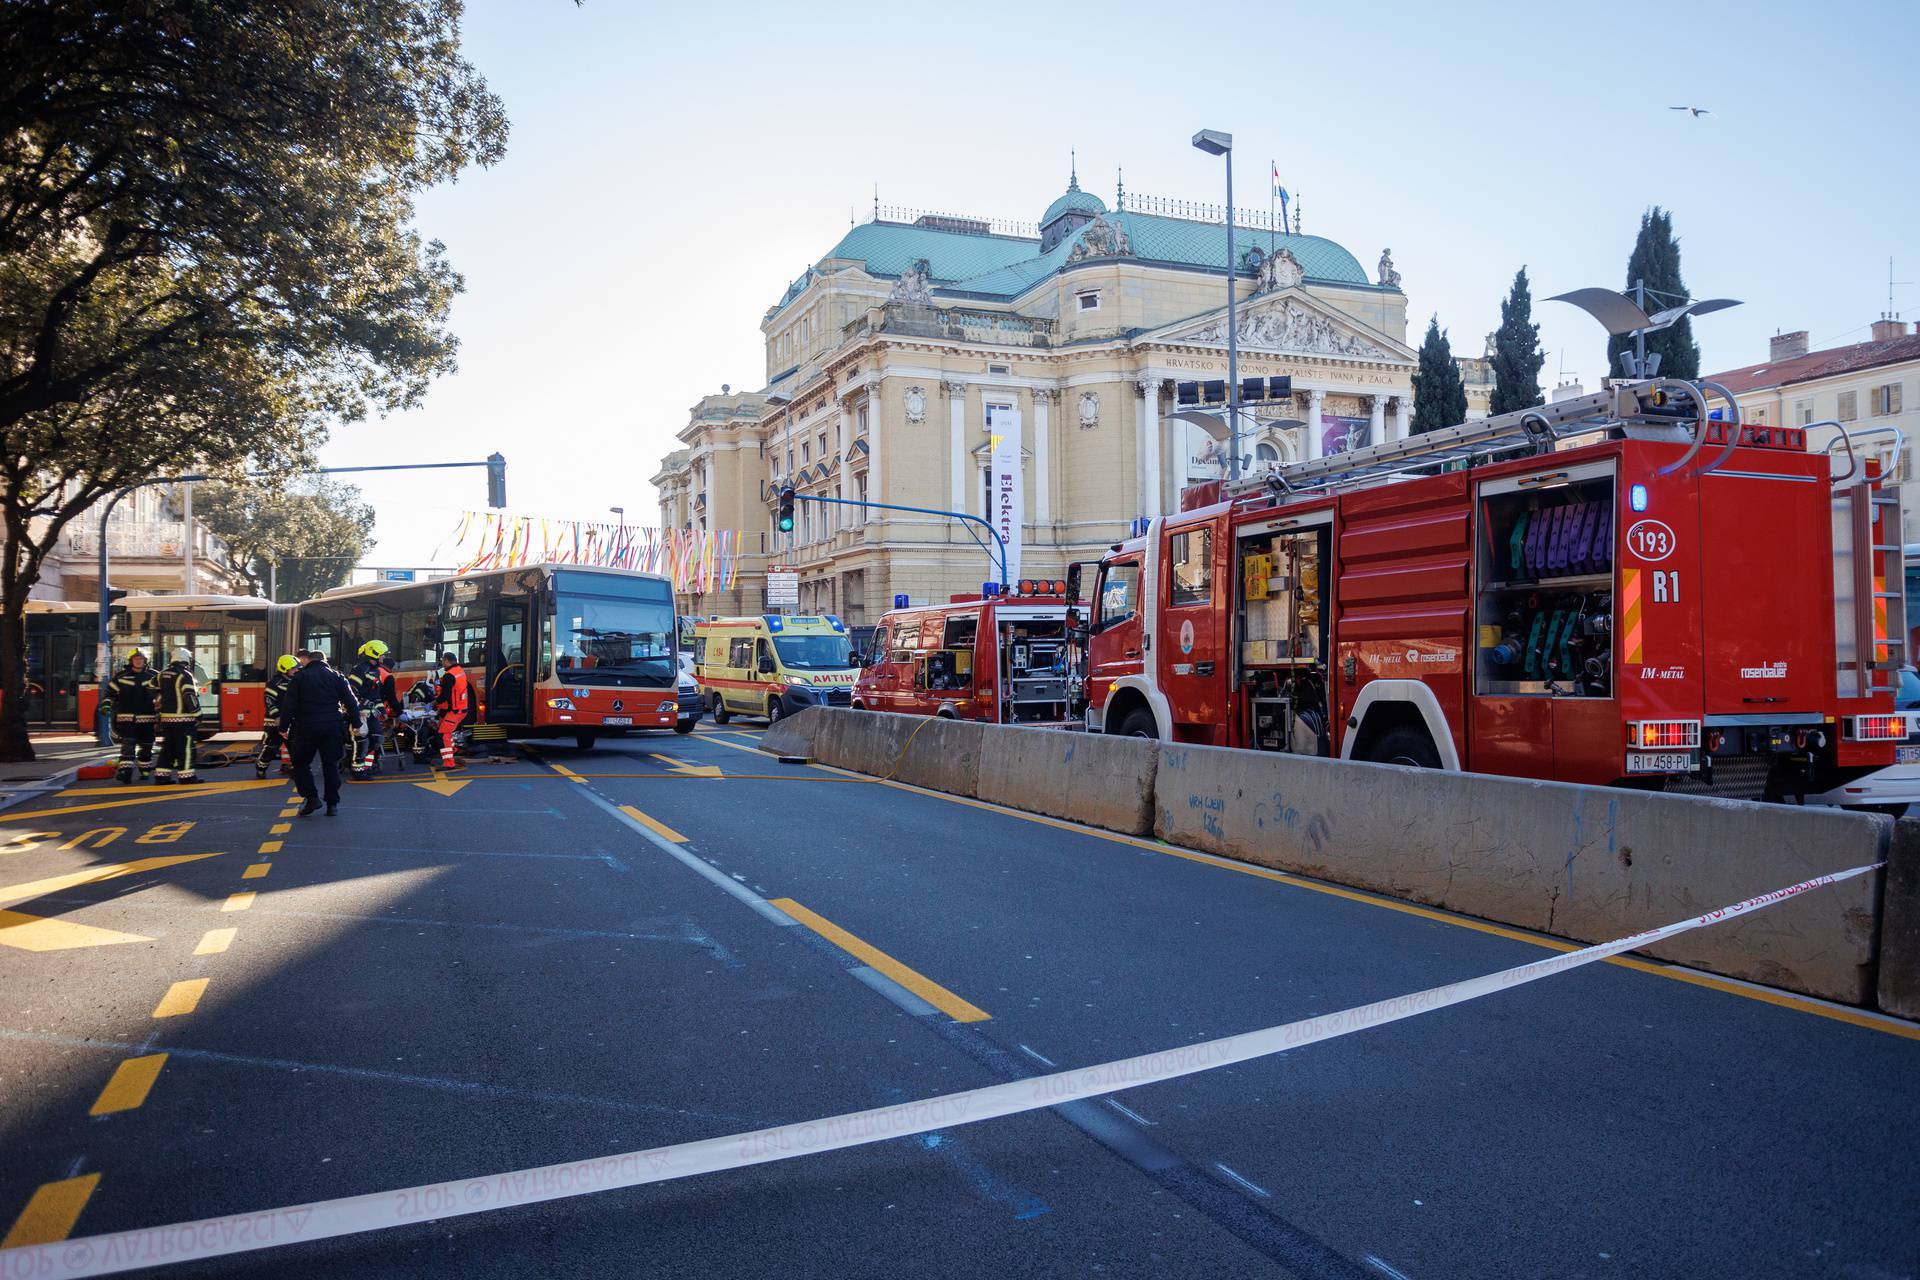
(286, 663)
(374, 649)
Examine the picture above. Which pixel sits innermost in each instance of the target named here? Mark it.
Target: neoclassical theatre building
(889, 359)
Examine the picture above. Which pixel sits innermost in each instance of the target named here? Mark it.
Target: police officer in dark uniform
(318, 707)
(135, 695)
(179, 707)
(273, 738)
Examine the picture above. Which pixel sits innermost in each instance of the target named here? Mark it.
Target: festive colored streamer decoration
(696, 561)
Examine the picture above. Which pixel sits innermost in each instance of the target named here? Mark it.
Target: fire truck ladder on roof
(1658, 408)
(1872, 506)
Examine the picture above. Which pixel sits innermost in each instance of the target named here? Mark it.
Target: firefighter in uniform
(379, 702)
(454, 701)
(135, 694)
(273, 738)
(179, 715)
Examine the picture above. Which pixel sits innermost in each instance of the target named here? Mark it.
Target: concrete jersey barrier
(1900, 923)
(1581, 862)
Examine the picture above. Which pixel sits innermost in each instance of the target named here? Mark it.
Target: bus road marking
(214, 941)
(256, 870)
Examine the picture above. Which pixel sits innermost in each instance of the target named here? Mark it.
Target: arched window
(1264, 452)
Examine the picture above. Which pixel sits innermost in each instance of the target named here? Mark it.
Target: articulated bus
(231, 639)
(550, 650)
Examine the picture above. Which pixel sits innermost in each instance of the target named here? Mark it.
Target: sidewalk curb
(45, 786)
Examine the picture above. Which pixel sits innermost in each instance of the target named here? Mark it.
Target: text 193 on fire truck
(1618, 588)
(1004, 659)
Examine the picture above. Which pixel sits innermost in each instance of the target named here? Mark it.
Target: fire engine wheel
(720, 713)
(1405, 745)
(1139, 724)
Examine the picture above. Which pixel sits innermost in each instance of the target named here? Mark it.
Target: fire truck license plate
(617, 720)
(1659, 762)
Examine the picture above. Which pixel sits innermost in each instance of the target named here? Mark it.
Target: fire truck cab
(1619, 588)
(1001, 659)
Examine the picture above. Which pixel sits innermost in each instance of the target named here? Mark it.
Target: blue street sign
(396, 575)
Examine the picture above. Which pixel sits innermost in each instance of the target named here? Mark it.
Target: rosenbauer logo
(1650, 540)
(1772, 671)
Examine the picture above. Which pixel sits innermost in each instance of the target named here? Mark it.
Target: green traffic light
(786, 524)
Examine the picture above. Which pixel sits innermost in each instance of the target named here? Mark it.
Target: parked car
(1892, 789)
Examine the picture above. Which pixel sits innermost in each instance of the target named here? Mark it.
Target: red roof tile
(1819, 364)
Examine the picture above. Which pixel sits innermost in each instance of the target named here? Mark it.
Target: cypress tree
(1439, 395)
(1656, 260)
(1517, 356)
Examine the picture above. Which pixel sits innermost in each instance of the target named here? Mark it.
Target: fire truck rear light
(1876, 728)
(1663, 733)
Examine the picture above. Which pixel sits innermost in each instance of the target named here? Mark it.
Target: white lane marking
(1130, 1113)
(1037, 1056)
(374, 1211)
(1251, 1186)
(1390, 1271)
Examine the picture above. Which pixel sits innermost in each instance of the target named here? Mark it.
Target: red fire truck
(1617, 588)
(1002, 659)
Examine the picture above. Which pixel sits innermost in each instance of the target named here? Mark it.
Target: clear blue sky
(672, 167)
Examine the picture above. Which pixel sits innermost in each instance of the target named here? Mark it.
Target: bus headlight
(560, 704)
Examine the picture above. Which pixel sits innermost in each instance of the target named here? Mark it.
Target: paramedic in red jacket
(454, 702)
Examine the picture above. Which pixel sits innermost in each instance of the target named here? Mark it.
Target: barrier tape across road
(350, 1215)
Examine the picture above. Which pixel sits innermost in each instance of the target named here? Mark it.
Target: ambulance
(772, 666)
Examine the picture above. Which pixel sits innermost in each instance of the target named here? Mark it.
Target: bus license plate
(1906, 755)
(1659, 762)
(616, 720)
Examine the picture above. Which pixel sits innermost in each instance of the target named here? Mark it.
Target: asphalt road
(582, 953)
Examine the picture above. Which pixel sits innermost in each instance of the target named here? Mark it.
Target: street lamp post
(1216, 143)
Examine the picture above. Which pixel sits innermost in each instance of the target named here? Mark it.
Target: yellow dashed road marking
(128, 1088)
(182, 997)
(50, 1215)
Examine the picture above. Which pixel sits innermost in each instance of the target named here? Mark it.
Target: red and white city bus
(233, 640)
(1612, 589)
(1001, 659)
(550, 650)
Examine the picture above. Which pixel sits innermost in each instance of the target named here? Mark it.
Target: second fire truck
(1617, 588)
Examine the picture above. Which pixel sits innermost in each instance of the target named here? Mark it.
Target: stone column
(843, 439)
(1043, 398)
(1316, 404)
(957, 447)
(1399, 428)
(1151, 445)
(876, 427)
(1377, 429)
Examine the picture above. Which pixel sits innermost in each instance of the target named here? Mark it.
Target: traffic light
(785, 521)
(496, 480)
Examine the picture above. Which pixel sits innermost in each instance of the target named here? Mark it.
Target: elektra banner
(1007, 505)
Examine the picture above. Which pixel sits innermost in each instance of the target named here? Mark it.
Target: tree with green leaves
(301, 538)
(207, 245)
(1656, 261)
(1439, 393)
(1517, 356)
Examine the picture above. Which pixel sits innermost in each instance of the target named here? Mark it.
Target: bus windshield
(814, 653)
(612, 624)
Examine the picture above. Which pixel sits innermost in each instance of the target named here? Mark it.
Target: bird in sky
(1697, 111)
